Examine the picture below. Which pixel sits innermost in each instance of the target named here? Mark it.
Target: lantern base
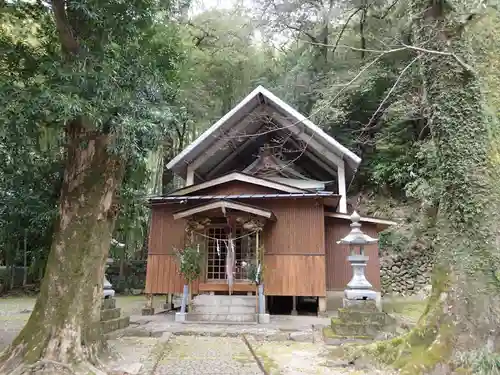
(360, 294)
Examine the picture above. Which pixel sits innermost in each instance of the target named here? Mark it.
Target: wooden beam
(225, 138)
(309, 140)
(235, 176)
(342, 207)
(315, 159)
(231, 157)
(223, 205)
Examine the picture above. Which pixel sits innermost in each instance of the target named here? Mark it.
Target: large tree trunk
(61, 334)
(463, 313)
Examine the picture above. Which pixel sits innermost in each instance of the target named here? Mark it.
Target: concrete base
(264, 318)
(180, 317)
(322, 306)
(334, 300)
(148, 311)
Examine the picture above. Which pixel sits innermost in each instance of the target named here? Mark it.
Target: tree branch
(391, 91)
(386, 11)
(67, 38)
(309, 35)
(451, 54)
(337, 41)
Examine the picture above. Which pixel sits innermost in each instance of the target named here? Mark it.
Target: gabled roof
(237, 176)
(324, 146)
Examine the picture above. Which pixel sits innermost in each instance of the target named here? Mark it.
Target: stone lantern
(359, 288)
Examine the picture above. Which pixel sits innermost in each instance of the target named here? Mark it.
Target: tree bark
(61, 334)
(463, 313)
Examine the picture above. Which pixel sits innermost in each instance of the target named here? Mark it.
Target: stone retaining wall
(405, 274)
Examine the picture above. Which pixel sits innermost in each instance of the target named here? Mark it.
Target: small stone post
(359, 288)
(148, 308)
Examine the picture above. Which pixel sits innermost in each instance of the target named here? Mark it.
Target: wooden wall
(162, 274)
(338, 269)
(294, 248)
(294, 245)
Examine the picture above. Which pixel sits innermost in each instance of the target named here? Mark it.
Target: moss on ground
(328, 333)
(408, 308)
(269, 364)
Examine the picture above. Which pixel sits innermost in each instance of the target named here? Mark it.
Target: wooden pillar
(342, 207)
(257, 255)
(294, 306)
(190, 175)
(148, 308)
(169, 302)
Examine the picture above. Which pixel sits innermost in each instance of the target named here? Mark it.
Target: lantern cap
(356, 236)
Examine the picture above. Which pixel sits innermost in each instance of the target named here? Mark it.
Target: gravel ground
(205, 355)
(15, 311)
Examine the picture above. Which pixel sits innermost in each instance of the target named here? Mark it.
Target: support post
(190, 175)
(294, 306)
(169, 302)
(148, 308)
(342, 208)
(181, 316)
(321, 306)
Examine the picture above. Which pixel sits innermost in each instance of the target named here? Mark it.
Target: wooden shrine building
(272, 181)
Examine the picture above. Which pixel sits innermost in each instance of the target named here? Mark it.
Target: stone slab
(342, 328)
(108, 303)
(180, 317)
(363, 317)
(360, 305)
(264, 318)
(115, 324)
(148, 311)
(109, 314)
(221, 317)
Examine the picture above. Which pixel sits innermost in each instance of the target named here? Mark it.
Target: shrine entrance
(228, 233)
(217, 246)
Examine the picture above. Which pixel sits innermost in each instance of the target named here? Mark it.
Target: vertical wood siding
(338, 269)
(294, 245)
(294, 248)
(294, 275)
(166, 234)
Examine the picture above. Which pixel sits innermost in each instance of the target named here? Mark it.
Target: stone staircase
(111, 319)
(223, 309)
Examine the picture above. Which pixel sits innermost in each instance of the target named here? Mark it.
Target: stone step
(108, 303)
(223, 309)
(109, 314)
(358, 330)
(115, 324)
(213, 300)
(364, 317)
(222, 318)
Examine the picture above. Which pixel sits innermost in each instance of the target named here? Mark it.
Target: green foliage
(480, 362)
(120, 78)
(254, 271)
(190, 260)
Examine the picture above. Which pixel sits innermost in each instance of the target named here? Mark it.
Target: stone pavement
(195, 355)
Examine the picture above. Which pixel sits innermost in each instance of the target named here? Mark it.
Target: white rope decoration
(234, 238)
